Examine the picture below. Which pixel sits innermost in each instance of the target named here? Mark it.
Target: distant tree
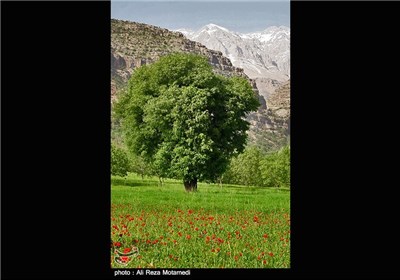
(184, 119)
(245, 168)
(140, 166)
(275, 168)
(119, 161)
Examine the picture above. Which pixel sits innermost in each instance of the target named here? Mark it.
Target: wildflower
(124, 259)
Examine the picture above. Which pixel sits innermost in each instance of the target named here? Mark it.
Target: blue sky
(240, 16)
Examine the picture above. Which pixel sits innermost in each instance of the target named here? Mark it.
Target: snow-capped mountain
(264, 54)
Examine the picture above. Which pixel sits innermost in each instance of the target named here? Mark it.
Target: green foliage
(119, 161)
(139, 165)
(254, 168)
(275, 168)
(184, 119)
(245, 168)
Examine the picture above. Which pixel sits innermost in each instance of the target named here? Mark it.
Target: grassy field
(215, 227)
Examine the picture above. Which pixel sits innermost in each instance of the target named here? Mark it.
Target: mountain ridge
(266, 51)
(263, 55)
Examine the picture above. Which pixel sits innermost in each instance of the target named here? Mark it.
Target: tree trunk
(190, 185)
(161, 181)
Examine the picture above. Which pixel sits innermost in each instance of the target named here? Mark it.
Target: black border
(56, 127)
(55, 123)
(342, 118)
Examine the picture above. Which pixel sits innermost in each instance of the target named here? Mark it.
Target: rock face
(270, 127)
(136, 44)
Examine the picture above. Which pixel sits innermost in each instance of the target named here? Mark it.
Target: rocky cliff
(270, 127)
(136, 44)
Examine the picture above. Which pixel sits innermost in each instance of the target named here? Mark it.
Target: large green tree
(185, 119)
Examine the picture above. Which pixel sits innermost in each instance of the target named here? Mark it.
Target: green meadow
(228, 226)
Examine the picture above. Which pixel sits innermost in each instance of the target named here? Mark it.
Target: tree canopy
(185, 119)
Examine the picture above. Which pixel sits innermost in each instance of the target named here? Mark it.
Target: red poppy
(265, 235)
(127, 250)
(117, 244)
(188, 236)
(124, 259)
